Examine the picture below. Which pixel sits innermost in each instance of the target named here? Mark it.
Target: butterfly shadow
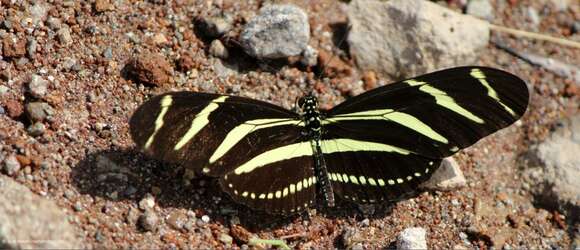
(126, 176)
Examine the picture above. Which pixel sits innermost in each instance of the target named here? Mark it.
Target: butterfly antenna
(338, 45)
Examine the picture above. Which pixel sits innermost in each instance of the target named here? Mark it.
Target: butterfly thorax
(313, 130)
(311, 116)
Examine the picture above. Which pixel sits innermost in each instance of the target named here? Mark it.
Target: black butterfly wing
(401, 131)
(217, 134)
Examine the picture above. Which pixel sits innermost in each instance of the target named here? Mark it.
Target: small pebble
(176, 220)
(78, 206)
(64, 36)
(412, 238)
(218, 49)
(309, 57)
(108, 53)
(38, 111)
(37, 86)
(226, 238)
(214, 27)
(31, 48)
(149, 221)
(132, 216)
(147, 202)
(480, 8)
(205, 219)
(3, 90)
(36, 129)
(11, 165)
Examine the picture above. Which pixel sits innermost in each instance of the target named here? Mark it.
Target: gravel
(38, 111)
(148, 221)
(11, 166)
(498, 208)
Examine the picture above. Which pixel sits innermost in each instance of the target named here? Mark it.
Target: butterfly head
(308, 103)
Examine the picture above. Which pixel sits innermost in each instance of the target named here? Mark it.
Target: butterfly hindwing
(284, 186)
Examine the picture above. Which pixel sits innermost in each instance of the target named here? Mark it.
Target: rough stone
(447, 177)
(152, 68)
(14, 108)
(176, 220)
(214, 27)
(412, 238)
(38, 111)
(279, 31)
(64, 36)
(31, 46)
(29, 221)
(147, 202)
(37, 86)
(103, 5)
(149, 221)
(36, 129)
(554, 169)
(39, 12)
(226, 238)
(405, 38)
(480, 8)
(13, 47)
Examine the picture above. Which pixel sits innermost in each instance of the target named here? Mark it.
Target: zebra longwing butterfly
(380, 145)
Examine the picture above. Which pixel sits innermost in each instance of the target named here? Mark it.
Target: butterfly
(377, 146)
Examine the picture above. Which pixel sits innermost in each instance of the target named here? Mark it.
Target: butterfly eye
(301, 102)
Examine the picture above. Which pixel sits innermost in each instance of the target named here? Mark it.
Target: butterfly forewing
(434, 115)
(210, 133)
(391, 139)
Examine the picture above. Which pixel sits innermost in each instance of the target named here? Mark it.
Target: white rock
(412, 238)
(279, 31)
(447, 177)
(405, 38)
(555, 173)
(480, 8)
(38, 86)
(28, 221)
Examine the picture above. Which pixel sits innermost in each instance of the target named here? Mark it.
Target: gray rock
(218, 49)
(29, 221)
(36, 129)
(149, 221)
(37, 86)
(279, 31)
(11, 166)
(480, 8)
(108, 53)
(447, 177)
(404, 38)
(214, 27)
(412, 238)
(553, 169)
(38, 111)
